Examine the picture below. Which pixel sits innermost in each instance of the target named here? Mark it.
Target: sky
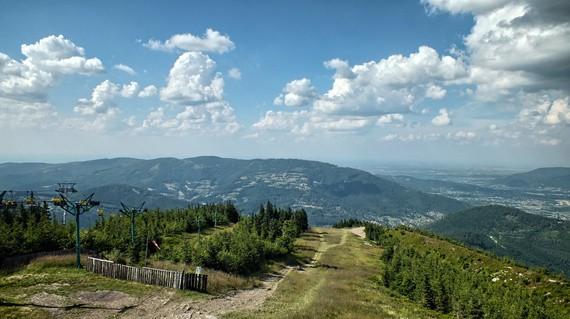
(447, 82)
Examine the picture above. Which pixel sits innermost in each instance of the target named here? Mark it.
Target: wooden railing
(151, 276)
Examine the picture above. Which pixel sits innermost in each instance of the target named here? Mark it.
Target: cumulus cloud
(46, 61)
(101, 100)
(278, 120)
(193, 80)
(195, 92)
(375, 92)
(442, 119)
(297, 93)
(515, 44)
(59, 55)
(125, 68)
(103, 96)
(211, 41)
(390, 118)
(435, 92)
(130, 90)
(24, 84)
(148, 91)
(389, 85)
(234, 73)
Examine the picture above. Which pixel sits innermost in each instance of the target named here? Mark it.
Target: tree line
(31, 229)
(176, 234)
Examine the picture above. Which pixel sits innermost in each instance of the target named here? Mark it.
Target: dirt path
(243, 300)
(169, 306)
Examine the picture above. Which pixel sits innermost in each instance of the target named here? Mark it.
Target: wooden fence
(151, 276)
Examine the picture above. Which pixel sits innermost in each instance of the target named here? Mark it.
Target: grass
(342, 283)
(56, 276)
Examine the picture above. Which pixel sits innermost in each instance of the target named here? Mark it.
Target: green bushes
(269, 234)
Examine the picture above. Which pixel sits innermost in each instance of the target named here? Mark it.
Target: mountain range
(328, 192)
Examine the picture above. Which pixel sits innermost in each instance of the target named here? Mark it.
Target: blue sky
(473, 82)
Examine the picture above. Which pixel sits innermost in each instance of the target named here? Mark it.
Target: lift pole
(76, 209)
(132, 212)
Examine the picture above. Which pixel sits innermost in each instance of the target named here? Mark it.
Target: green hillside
(464, 283)
(531, 239)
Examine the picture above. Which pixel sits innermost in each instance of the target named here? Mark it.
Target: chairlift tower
(132, 212)
(76, 209)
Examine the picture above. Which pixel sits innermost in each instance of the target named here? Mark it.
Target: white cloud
(148, 91)
(125, 68)
(442, 119)
(515, 44)
(24, 85)
(193, 85)
(389, 85)
(234, 73)
(464, 6)
(390, 118)
(101, 101)
(211, 41)
(297, 93)
(193, 80)
(130, 90)
(59, 55)
(46, 61)
(278, 120)
(214, 117)
(23, 81)
(435, 92)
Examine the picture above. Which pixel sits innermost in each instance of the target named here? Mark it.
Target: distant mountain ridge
(558, 177)
(505, 231)
(326, 191)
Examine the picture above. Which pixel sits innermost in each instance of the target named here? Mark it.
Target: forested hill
(463, 283)
(531, 239)
(558, 177)
(326, 191)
